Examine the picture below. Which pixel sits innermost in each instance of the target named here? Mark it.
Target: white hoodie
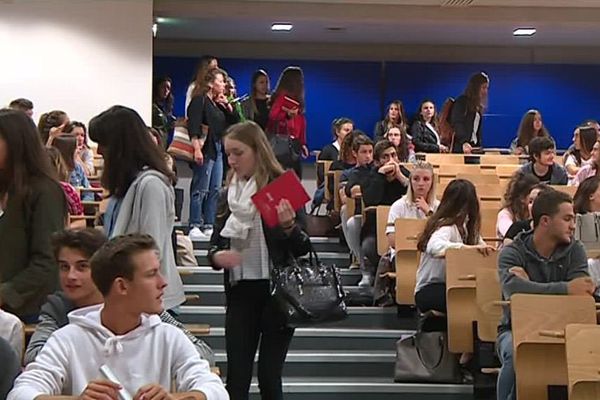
(154, 352)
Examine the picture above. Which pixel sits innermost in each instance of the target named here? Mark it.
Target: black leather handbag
(309, 292)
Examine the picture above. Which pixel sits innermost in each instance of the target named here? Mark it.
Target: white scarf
(242, 209)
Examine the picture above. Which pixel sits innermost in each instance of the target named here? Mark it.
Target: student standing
(256, 106)
(467, 114)
(247, 249)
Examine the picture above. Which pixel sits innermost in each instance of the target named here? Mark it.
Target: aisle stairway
(351, 359)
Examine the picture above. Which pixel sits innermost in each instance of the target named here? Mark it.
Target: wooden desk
(540, 360)
(582, 346)
(461, 303)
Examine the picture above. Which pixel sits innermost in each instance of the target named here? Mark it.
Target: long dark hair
(166, 104)
(519, 186)
(26, 158)
(291, 80)
(459, 204)
(67, 145)
(127, 148)
(587, 138)
(581, 200)
(474, 102)
(402, 120)
(77, 124)
(257, 74)
(434, 118)
(50, 120)
(526, 132)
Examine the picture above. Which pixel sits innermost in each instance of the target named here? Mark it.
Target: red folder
(290, 103)
(287, 186)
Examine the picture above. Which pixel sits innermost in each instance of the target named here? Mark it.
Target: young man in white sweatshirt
(145, 355)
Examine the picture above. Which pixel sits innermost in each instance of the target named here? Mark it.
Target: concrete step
(339, 259)
(365, 388)
(327, 339)
(208, 276)
(314, 363)
(325, 244)
(358, 317)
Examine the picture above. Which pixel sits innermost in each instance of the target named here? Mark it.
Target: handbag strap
(439, 361)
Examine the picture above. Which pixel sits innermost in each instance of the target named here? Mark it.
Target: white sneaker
(208, 232)
(196, 234)
(365, 281)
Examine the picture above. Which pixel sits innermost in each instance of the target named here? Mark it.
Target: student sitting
(525, 224)
(146, 355)
(341, 127)
(387, 182)
(514, 202)
(542, 165)
(531, 127)
(546, 260)
(454, 225)
(418, 203)
(72, 251)
(362, 149)
(588, 170)
(580, 154)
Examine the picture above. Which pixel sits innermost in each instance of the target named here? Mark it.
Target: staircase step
(339, 259)
(358, 317)
(314, 363)
(207, 276)
(327, 339)
(319, 244)
(371, 388)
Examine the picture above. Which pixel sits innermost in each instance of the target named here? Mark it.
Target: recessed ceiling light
(524, 32)
(282, 27)
(161, 20)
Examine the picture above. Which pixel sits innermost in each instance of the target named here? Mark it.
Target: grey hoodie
(546, 276)
(149, 207)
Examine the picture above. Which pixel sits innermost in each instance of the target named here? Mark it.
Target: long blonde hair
(431, 194)
(252, 135)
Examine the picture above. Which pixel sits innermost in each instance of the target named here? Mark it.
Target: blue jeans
(506, 387)
(204, 191)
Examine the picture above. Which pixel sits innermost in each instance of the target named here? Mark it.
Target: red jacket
(279, 122)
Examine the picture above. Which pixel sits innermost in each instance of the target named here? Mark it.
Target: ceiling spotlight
(524, 32)
(282, 27)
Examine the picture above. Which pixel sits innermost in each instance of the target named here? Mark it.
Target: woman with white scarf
(247, 249)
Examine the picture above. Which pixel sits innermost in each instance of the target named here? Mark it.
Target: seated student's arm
(571, 165)
(561, 176)
(46, 375)
(45, 327)
(192, 374)
(504, 221)
(513, 283)
(440, 242)
(390, 230)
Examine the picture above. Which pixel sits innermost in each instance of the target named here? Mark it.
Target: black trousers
(431, 297)
(253, 317)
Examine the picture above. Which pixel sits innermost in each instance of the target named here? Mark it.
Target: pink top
(73, 199)
(504, 221)
(584, 173)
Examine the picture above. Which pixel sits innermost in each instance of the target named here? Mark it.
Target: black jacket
(375, 188)
(282, 247)
(462, 121)
(203, 111)
(423, 138)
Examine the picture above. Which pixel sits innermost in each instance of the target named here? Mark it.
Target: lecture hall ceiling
(452, 22)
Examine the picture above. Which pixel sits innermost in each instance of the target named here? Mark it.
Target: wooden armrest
(198, 329)
(91, 203)
(501, 303)
(470, 277)
(215, 370)
(492, 239)
(90, 189)
(192, 297)
(371, 209)
(490, 371)
(390, 275)
(552, 334)
(29, 329)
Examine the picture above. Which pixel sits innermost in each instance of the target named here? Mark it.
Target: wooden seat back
(582, 347)
(382, 213)
(479, 179)
(498, 159)
(407, 258)
(570, 190)
(488, 314)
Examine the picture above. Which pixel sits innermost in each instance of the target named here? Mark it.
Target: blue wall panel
(565, 94)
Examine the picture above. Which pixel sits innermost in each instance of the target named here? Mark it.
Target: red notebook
(290, 103)
(287, 186)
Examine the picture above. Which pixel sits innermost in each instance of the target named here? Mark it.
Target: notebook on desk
(287, 186)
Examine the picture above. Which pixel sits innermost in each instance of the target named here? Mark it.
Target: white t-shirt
(404, 208)
(11, 329)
